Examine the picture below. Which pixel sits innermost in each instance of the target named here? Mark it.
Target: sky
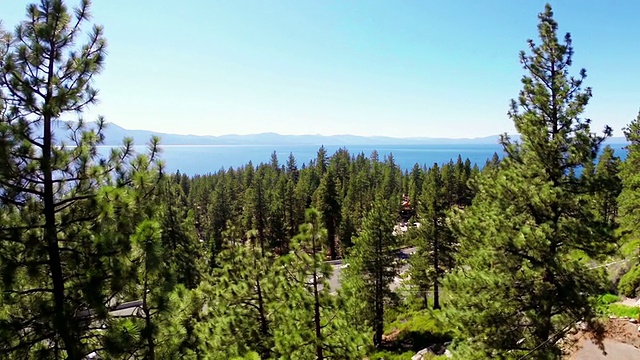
(391, 68)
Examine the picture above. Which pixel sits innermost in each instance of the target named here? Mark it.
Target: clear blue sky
(395, 68)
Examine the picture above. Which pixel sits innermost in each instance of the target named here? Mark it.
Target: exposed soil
(623, 331)
(588, 345)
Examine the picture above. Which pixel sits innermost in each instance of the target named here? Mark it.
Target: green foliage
(607, 185)
(620, 310)
(607, 299)
(629, 199)
(435, 242)
(247, 292)
(314, 322)
(63, 243)
(373, 262)
(389, 355)
(180, 243)
(630, 282)
(219, 267)
(326, 201)
(519, 283)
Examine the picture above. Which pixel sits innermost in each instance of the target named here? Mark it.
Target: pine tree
(321, 162)
(59, 269)
(247, 297)
(315, 324)
(292, 168)
(629, 208)
(629, 199)
(521, 282)
(156, 282)
(436, 243)
(416, 177)
(181, 245)
(608, 186)
(219, 211)
(328, 203)
(373, 261)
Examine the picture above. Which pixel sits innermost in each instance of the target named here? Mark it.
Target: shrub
(620, 310)
(607, 299)
(630, 282)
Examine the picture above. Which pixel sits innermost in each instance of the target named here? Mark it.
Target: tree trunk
(151, 355)
(379, 315)
(331, 238)
(436, 267)
(61, 318)
(316, 304)
(379, 310)
(425, 296)
(264, 325)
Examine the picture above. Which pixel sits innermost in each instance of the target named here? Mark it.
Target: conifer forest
(347, 256)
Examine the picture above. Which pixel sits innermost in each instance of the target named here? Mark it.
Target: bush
(630, 282)
(620, 310)
(416, 330)
(607, 299)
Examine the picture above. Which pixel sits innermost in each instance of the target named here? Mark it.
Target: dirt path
(630, 302)
(613, 349)
(622, 341)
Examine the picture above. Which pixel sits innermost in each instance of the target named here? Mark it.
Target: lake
(198, 159)
(203, 159)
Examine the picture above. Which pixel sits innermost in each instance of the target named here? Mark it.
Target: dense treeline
(237, 263)
(271, 198)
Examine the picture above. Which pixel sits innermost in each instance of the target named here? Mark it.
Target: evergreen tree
(373, 261)
(521, 282)
(629, 208)
(321, 162)
(277, 218)
(328, 203)
(59, 257)
(392, 180)
(156, 282)
(315, 324)
(436, 245)
(256, 207)
(247, 297)
(416, 177)
(219, 212)
(181, 245)
(629, 199)
(292, 168)
(607, 185)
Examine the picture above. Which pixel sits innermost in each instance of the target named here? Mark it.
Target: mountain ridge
(115, 133)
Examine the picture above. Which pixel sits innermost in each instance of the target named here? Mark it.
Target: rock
(420, 355)
(448, 354)
(633, 321)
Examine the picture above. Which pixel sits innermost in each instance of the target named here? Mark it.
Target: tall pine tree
(436, 245)
(373, 261)
(521, 281)
(60, 264)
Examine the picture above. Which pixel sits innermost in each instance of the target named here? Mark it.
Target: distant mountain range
(114, 135)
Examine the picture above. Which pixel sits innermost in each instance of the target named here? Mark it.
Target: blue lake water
(203, 159)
